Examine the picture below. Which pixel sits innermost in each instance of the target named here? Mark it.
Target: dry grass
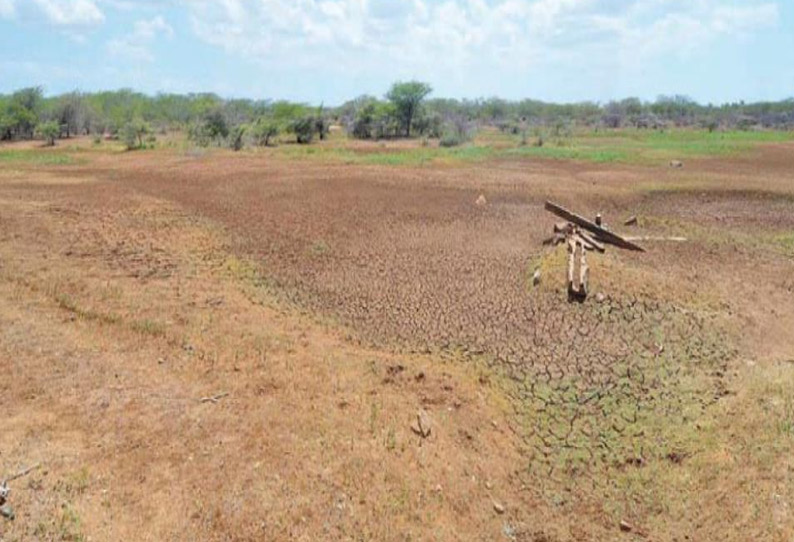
(332, 302)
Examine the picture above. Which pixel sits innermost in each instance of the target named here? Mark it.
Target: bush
(48, 131)
(303, 129)
(97, 139)
(236, 137)
(135, 133)
(211, 128)
(429, 125)
(451, 139)
(458, 131)
(263, 131)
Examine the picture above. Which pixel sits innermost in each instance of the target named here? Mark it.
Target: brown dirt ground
(331, 302)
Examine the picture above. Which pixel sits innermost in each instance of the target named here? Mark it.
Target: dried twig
(20, 474)
(214, 398)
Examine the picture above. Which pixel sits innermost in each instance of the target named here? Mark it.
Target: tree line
(404, 111)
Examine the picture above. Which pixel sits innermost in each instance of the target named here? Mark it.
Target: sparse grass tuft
(148, 327)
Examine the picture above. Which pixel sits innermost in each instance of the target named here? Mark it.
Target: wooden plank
(604, 235)
(591, 242)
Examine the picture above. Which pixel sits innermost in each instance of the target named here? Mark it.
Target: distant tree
(321, 124)
(263, 131)
(71, 113)
(48, 131)
(211, 128)
(135, 133)
(304, 129)
(407, 99)
(22, 113)
(215, 124)
(236, 137)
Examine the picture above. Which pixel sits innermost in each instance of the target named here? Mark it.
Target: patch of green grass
(785, 242)
(36, 157)
(66, 302)
(148, 327)
(611, 146)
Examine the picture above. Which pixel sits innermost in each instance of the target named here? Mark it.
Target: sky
(329, 51)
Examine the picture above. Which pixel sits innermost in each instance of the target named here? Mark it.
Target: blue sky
(332, 50)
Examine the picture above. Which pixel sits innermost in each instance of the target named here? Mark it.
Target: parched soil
(395, 285)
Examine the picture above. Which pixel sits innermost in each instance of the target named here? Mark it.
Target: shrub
(236, 137)
(430, 125)
(458, 131)
(49, 131)
(303, 129)
(135, 133)
(451, 139)
(263, 131)
(211, 128)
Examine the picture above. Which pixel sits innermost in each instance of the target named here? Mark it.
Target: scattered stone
(536, 277)
(498, 507)
(631, 221)
(488, 485)
(421, 425)
(481, 201)
(676, 163)
(420, 376)
(7, 512)
(625, 526)
(600, 298)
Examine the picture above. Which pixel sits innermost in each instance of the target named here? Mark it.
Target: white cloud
(71, 12)
(137, 44)
(450, 37)
(7, 10)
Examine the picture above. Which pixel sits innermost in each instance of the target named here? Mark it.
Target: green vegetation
(136, 134)
(613, 146)
(48, 131)
(35, 157)
(406, 98)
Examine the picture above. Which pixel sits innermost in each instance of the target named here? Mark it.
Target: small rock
(625, 526)
(630, 221)
(7, 512)
(421, 425)
(498, 507)
(481, 201)
(600, 298)
(676, 163)
(488, 485)
(536, 277)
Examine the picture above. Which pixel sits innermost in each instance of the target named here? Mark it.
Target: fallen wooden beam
(603, 235)
(592, 242)
(656, 238)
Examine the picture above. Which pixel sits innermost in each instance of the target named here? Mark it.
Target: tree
(321, 124)
(71, 113)
(304, 129)
(236, 137)
(263, 130)
(135, 133)
(407, 98)
(22, 113)
(212, 128)
(49, 131)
